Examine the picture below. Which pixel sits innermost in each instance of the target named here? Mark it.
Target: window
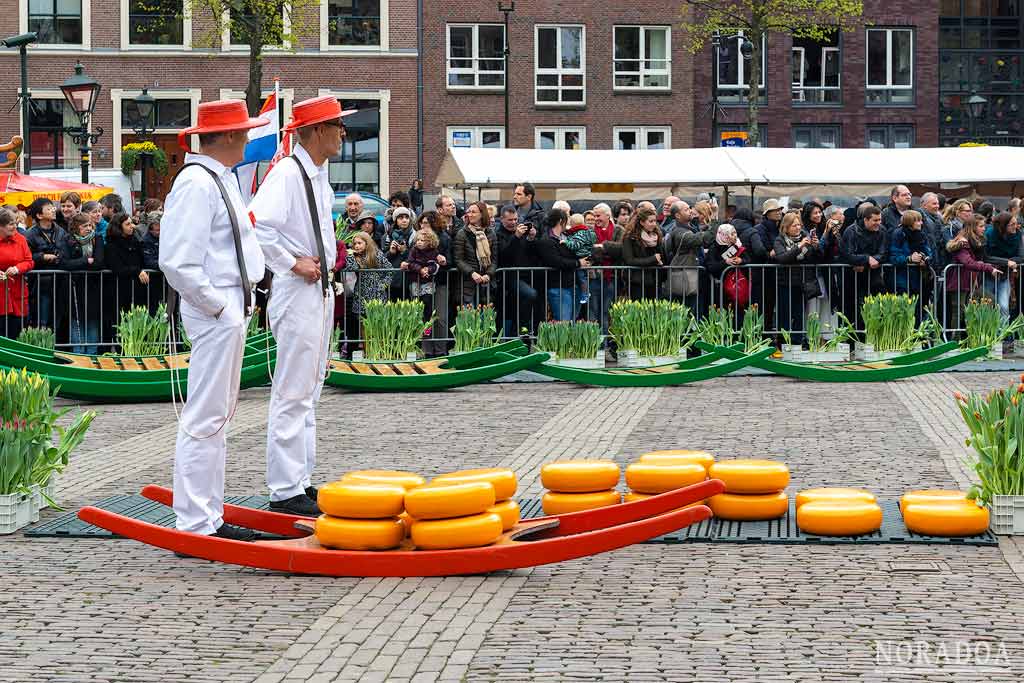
(818, 137)
(890, 66)
(51, 148)
(354, 23)
(560, 65)
(274, 25)
(156, 22)
(642, 58)
(732, 68)
(628, 137)
(762, 133)
(58, 22)
(816, 71)
(476, 56)
(571, 137)
(488, 137)
(977, 25)
(890, 137)
(167, 114)
(357, 168)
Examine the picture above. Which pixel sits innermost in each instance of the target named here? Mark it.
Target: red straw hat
(316, 110)
(218, 117)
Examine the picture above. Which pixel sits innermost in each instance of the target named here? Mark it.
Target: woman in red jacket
(15, 261)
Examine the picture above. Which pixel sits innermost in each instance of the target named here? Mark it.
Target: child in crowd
(370, 285)
(422, 266)
(580, 239)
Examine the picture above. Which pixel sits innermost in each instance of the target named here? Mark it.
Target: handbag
(682, 274)
(812, 289)
(737, 288)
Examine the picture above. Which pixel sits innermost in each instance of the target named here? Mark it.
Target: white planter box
(595, 363)
(866, 352)
(1018, 347)
(35, 500)
(15, 512)
(793, 353)
(996, 351)
(1007, 515)
(632, 359)
(841, 354)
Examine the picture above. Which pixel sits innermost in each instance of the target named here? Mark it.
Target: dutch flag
(265, 144)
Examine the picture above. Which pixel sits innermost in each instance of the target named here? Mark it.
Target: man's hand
(49, 258)
(1011, 264)
(915, 257)
(584, 263)
(520, 230)
(144, 277)
(308, 268)
(404, 265)
(873, 262)
(533, 233)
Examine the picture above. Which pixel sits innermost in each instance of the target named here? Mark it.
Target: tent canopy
(22, 190)
(731, 166)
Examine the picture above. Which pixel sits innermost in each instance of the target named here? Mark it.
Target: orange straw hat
(316, 110)
(218, 117)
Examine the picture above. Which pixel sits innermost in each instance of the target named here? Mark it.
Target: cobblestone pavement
(106, 610)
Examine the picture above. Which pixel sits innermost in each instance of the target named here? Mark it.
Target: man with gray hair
(607, 249)
(932, 227)
(563, 205)
(665, 215)
(353, 208)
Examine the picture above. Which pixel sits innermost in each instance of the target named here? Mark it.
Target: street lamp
(975, 108)
(22, 41)
(746, 52)
(507, 8)
(144, 104)
(81, 92)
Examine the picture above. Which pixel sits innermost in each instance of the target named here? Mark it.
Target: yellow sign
(23, 198)
(612, 188)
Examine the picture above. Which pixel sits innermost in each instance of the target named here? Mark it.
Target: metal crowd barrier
(962, 285)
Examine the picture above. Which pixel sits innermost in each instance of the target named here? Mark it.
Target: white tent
(987, 170)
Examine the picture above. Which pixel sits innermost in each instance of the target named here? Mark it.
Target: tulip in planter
(575, 344)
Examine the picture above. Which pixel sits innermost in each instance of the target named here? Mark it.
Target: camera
(746, 49)
(20, 40)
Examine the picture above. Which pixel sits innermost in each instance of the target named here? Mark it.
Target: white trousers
(215, 364)
(301, 320)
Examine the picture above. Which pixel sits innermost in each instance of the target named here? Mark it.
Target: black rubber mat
(783, 530)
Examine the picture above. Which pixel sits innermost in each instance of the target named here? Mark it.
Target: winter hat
(400, 211)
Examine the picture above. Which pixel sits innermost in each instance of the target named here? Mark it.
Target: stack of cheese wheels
(360, 516)
(407, 480)
(837, 512)
(662, 472)
(754, 489)
(576, 485)
(504, 482)
(936, 512)
(453, 515)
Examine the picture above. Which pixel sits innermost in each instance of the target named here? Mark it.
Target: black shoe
(312, 493)
(301, 505)
(229, 531)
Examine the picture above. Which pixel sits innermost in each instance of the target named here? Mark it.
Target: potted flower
(995, 421)
(393, 330)
(716, 327)
(132, 152)
(42, 337)
(836, 349)
(476, 327)
(572, 343)
(650, 332)
(142, 334)
(791, 352)
(986, 326)
(891, 329)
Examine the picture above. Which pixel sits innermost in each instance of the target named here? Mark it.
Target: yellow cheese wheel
(455, 500)
(645, 477)
(933, 496)
(749, 507)
(461, 532)
(503, 480)
(946, 519)
(407, 480)
(839, 517)
(580, 476)
(361, 501)
(673, 457)
(830, 494)
(555, 503)
(751, 476)
(508, 510)
(359, 534)
(633, 496)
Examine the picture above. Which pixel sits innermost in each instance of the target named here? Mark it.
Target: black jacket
(515, 252)
(891, 218)
(857, 243)
(532, 214)
(42, 242)
(716, 265)
(750, 237)
(554, 254)
(643, 284)
(151, 252)
(796, 256)
(123, 255)
(86, 287)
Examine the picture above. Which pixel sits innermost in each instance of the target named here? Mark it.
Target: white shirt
(197, 244)
(281, 213)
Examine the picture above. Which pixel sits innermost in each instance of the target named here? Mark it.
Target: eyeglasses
(336, 124)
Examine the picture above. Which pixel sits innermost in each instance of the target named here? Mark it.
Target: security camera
(747, 49)
(20, 40)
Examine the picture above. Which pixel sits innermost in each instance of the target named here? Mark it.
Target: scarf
(916, 239)
(86, 243)
(650, 239)
(483, 246)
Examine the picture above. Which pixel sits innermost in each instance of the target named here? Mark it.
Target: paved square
(116, 610)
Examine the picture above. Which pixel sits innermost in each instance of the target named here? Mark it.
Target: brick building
(362, 51)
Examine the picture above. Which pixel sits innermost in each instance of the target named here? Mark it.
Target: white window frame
(800, 86)
(641, 134)
(117, 95)
(558, 71)
(815, 130)
(474, 70)
(641, 71)
(325, 38)
(383, 98)
(186, 35)
(476, 135)
(225, 39)
(741, 70)
(560, 141)
(889, 129)
(86, 43)
(889, 58)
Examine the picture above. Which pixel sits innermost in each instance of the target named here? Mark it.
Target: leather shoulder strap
(314, 218)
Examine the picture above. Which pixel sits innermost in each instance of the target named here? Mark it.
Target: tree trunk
(254, 90)
(754, 83)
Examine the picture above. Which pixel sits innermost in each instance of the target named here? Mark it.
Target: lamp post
(507, 8)
(22, 41)
(975, 108)
(81, 92)
(746, 51)
(144, 104)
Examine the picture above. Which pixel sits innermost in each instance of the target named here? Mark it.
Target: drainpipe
(419, 91)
